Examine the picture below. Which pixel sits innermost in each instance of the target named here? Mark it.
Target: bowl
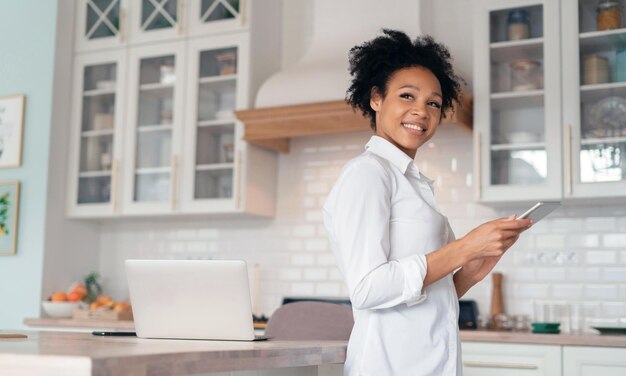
(59, 309)
(546, 327)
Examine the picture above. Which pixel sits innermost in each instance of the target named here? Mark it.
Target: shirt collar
(390, 152)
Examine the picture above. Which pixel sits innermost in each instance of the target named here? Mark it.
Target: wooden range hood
(272, 127)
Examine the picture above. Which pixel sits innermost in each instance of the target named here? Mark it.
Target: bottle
(518, 26)
(609, 15)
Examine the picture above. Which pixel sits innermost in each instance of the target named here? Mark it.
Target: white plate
(607, 118)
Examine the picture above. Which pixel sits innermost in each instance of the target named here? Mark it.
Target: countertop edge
(544, 339)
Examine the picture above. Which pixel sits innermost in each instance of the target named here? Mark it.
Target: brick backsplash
(577, 256)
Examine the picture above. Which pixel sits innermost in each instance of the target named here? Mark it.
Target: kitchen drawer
(491, 359)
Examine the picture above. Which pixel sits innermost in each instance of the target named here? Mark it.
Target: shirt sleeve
(359, 219)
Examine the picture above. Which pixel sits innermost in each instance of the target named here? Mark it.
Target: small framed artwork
(11, 126)
(9, 203)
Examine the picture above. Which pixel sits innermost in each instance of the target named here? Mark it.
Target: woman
(404, 270)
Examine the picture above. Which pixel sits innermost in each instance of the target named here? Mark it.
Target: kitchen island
(65, 353)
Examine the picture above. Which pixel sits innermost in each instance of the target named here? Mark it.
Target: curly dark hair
(374, 62)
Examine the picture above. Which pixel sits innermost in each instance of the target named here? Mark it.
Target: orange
(81, 289)
(74, 296)
(58, 297)
(104, 300)
(121, 307)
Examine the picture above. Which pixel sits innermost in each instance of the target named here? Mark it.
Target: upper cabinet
(517, 100)
(154, 130)
(536, 84)
(594, 98)
(102, 24)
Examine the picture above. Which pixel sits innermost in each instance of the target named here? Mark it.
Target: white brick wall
(578, 255)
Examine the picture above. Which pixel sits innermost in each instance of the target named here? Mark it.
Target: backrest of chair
(311, 321)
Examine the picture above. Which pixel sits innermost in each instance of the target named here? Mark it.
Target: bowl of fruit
(63, 304)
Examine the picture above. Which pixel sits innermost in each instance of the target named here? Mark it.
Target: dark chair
(310, 320)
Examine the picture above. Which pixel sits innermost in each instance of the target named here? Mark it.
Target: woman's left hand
(478, 269)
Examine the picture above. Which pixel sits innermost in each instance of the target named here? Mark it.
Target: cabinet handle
(236, 183)
(174, 191)
(568, 159)
(469, 363)
(114, 185)
(122, 26)
(477, 159)
(243, 11)
(181, 16)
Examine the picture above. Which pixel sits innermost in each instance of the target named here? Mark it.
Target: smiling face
(409, 113)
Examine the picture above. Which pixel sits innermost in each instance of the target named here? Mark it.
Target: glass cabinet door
(96, 150)
(211, 16)
(521, 116)
(100, 24)
(97, 131)
(517, 134)
(157, 20)
(155, 117)
(596, 134)
(158, 14)
(217, 67)
(215, 134)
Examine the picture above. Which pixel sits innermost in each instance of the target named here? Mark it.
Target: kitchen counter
(50, 323)
(83, 354)
(544, 339)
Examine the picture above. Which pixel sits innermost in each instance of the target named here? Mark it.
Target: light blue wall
(27, 37)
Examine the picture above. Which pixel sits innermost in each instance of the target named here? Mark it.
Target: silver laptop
(191, 299)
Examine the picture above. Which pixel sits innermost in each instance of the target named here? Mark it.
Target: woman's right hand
(493, 238)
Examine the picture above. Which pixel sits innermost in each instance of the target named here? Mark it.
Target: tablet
(540, 210)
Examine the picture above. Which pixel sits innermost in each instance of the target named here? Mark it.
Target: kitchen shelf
(212, 79)
(98, 92)
(593, 93)
(98, 133)
(215, 166)
(154, 128)
(516, 99)
(605, 40)
(152, 170)
(605, 140)
(94, 174)
(519, 146)
(217, 122)
(503, 52)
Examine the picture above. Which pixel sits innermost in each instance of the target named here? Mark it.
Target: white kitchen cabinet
(99, 91)
(594, 113)
(170, 143)
(153, 134)
(104, 24)
(517, 121)
(485, 359)
(533, 136)
(221, 172)
(594, 361)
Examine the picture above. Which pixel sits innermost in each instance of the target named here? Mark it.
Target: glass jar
(518, 26)
(609, 15)
(525, 75)
(595, 70)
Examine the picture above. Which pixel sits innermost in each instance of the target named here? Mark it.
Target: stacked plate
(546, 327)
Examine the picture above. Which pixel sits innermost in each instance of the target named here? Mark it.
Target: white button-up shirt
(382, 220)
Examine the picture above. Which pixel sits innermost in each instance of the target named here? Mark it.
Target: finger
(517, 224)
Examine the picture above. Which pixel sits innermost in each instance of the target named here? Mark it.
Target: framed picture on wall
(9, 204)
(11, 126)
